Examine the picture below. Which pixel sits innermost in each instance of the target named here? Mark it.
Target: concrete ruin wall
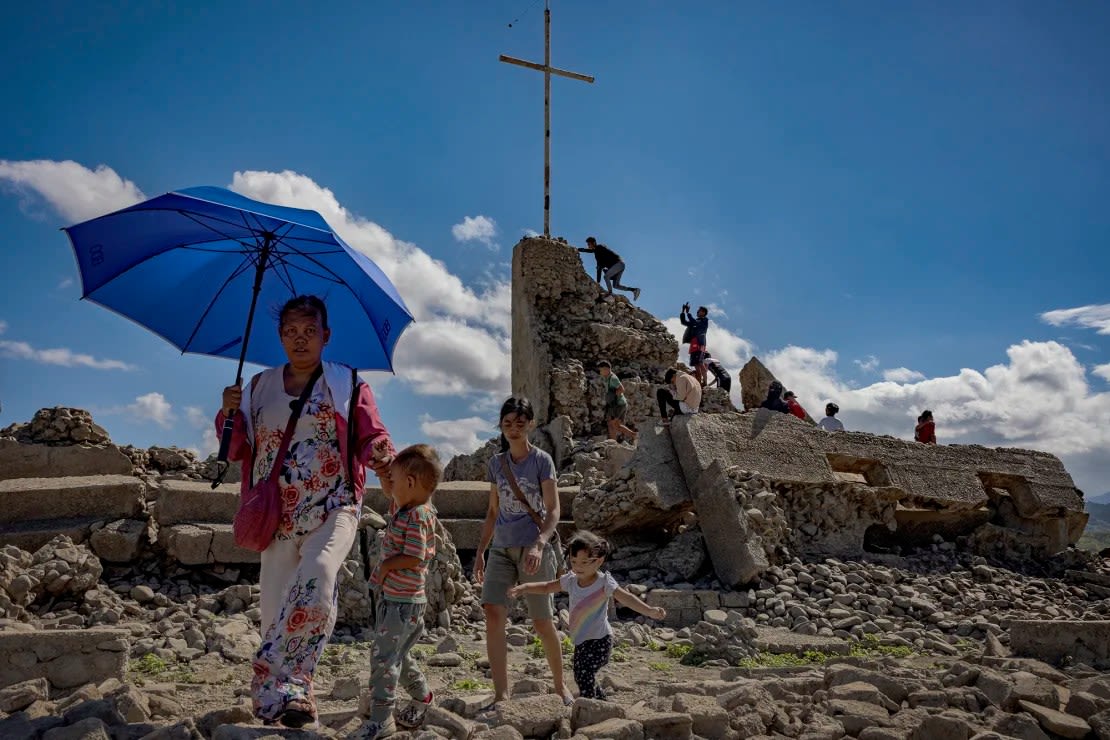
(911, 490)
(561, 327)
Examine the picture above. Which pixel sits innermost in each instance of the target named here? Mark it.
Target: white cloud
(65, 283)
(460, 341)
(531, 232)
(3, 326)
(58, 356)
(456, 436)
(153, 407)
(902, 375)
(75, 191)
(731, 350)
(198, 417)
(869, 365)
(1102, 371)
(1095, 317)
(476, 228)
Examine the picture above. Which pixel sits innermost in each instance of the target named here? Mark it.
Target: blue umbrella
(190, 265)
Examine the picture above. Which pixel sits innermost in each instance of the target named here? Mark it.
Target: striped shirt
(589, 606)
(411, 531)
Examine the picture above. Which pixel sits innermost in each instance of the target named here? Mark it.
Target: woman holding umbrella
(320, 499)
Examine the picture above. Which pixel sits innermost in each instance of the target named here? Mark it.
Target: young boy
(590, 590)
(407, 548)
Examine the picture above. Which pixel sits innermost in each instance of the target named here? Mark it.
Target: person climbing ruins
(720, 376)
(774, 400)
(681, 396)
(830, 423)
(609, 266)
(793, 406)
(616, 404)
(695, 334)
(521, 517)
(926, 430)
(322, 483)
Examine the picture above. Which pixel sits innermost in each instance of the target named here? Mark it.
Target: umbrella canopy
(192, 265)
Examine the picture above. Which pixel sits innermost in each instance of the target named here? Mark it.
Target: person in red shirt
(792, 403)
(926, 430)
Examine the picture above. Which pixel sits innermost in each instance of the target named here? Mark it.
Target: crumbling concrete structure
(839, 493)
(563, 324)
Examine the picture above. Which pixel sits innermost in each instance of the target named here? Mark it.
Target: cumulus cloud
(198, 417)
(476, 228)
(3, 326)
(869, 365)
(1095, 317)
(75, 191)
(902, 375)
(1102, 371)
(445, 357)
(65, 283)
(152, 407)
(57, 356)
(453, 437)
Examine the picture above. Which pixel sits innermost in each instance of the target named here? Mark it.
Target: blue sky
(895, 206)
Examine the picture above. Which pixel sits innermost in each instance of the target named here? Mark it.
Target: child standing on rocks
(407, 548)
(590, 590)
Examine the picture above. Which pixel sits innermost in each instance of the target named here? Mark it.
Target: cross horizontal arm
(541, 68)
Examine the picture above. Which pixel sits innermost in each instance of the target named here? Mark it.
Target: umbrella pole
(229, 419)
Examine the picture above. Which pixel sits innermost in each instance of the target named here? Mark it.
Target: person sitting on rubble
(717, 370)
(793, 406)
(830, 423)
(774, 400)
(682, 396)
(610, 266)
(695, 336)
(926, 430)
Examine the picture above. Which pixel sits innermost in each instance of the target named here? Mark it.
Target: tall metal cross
(547, 70)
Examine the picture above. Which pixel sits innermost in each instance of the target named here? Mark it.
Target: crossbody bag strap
(517, 492)
(352, 436)
(292, 424)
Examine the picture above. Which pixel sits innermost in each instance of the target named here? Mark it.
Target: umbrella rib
(332, 279)
(213, 229)
(309, 256)
(247, 261)
(279, 262)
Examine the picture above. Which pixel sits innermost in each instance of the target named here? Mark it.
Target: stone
(592, 711)
(86, 729)
(347, 687)
(683, 556)
(1057, 722)
(70, 497)
(445, 660)
(1100, 724)
(458, 727)
(533, 715)
(709, 718)
(755, 381)
(855, 716)
(1021, 726)
(666, 725)
(941, 727)
(613, 729)
(131, 704)
(23, 694)
(66, 658)
(119, 541)
(39, 460)
(839, 675)
(238, 714)
(1084, 704)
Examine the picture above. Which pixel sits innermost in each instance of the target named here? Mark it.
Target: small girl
(589, 590)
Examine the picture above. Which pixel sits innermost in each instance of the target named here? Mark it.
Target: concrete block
(37, 461)
(66, 658)
(1053, 640)
(99, 496)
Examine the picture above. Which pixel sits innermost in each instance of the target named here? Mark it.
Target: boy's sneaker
(635, 294)
(412, 716)
(374, 730)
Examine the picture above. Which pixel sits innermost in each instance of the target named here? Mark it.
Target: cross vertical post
(547, 70)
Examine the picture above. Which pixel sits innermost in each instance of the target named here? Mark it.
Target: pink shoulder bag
(259, 513)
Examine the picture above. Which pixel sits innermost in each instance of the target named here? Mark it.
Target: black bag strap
(297, 408)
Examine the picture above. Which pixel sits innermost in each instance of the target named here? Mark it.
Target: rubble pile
(58, 426)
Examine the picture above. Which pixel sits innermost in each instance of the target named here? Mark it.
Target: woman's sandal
(297, 714)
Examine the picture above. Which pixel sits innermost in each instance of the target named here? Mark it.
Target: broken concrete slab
(20, 460)
(1052, 641)
(738, 554)
(188, 502)
(119, 541)
(66, 658)
(99, 496)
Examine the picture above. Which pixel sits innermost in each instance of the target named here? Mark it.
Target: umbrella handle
(225, 446)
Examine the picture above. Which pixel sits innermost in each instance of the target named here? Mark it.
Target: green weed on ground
(471, 684)
(151, 666)
(661, 666)
(535, 648)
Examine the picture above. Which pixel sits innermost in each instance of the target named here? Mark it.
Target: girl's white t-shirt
(589, 606)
